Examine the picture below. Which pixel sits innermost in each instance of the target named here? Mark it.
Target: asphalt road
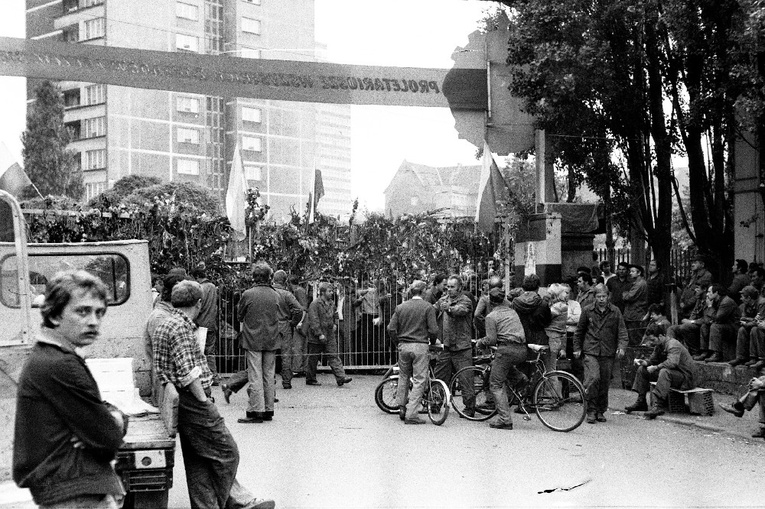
(332, 447)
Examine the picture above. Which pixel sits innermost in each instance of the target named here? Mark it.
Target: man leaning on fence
(413, 326)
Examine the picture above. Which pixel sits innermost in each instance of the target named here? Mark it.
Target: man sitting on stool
(671, 367)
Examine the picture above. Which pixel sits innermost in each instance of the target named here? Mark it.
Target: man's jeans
(211, 347)
(412, 362)
(261, 372)
(503, 372)
(209, 452)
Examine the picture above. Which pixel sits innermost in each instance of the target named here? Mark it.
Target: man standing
(535, 315)
(65, 436)
(586, 295)
(504, 329)
(290, 314)
(162, 309)
(619, 284)
(413, 326)
(634, 299)
(299, 345)
(259, 312)
(605, 271)
(671, 367)
(368, 336)
(456, 315)
(210, 453)
(208, 317)
(601, 335)
(322, 325)
(436, 290)
(654, 284)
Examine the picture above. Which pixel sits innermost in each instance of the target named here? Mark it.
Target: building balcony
(80, 13)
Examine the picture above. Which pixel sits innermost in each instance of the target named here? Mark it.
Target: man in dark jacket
(721, 326)
(456, 314)
(534, 312)
(258, 310)
(322, 326)
(413, 326)
(208, 317)
(290, 314)
(619, 284)
(671, 367)
(65, 435)
(601, 335)
(635, 306)
(700, 276)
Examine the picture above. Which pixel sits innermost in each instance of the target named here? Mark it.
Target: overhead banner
(223, 75)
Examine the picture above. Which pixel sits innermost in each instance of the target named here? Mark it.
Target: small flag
(317, 191)
(13, 179)
(486, 204)
(235, 196)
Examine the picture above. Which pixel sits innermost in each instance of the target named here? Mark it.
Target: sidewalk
(719, 422)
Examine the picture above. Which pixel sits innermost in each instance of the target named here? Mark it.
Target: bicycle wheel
(484, 402)
(558, 400)
(386, 395)
(438, 402)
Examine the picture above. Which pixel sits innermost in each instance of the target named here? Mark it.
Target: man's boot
(759, 364)
(658, 408)
(715, 357)
(640, 405)
(738, 361)
(252, 417)
(702, 355)
(736, 408)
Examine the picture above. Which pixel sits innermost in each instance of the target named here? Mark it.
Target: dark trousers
(448, 364)
(665, 379)
(238, 380)
(330, 350)
(209, 452)
(597, 377)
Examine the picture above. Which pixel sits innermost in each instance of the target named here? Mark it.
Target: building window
(187, 11)
(93, 127)
(251, 114)
(186, 43)
(71, 33)
(94, 94)
(91, 3)
(72, 98)
(256, 2)
(252, 143)
(187, 104)
(188, 167)
(188, 136)
(70, 5)
(253, 173)
(93, 189)
(94, 28)
(95, 159)
(251, 26)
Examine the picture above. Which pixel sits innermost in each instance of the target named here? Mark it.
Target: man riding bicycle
(504, 329)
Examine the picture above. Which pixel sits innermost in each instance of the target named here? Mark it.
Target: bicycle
(435, 399)
(557, 397)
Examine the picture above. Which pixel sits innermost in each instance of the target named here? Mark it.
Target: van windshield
(111, 268)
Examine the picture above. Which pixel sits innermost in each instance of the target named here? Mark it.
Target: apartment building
(121, 131)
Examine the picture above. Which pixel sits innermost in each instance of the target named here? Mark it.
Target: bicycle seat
(537, 348)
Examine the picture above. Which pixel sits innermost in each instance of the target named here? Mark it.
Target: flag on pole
(12, 177)
(486, 204)
(237, 187)
(314, 195)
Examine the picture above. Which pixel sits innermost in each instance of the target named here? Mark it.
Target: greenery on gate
(182, 231)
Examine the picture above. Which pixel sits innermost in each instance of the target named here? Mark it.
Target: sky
(403, 33)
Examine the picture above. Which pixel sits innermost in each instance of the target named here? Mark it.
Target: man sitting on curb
(755, 394)
(671, 367)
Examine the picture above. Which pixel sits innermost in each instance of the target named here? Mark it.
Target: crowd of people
(590, 325)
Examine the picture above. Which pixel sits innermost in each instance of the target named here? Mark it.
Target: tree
(51, 167)
(599, 77)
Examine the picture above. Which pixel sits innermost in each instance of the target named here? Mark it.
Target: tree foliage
(51, 167)
(622, 86)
